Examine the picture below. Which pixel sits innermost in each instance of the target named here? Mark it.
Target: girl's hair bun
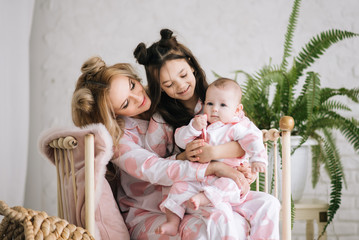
(140, 54)
(166, 33)
(167, 41)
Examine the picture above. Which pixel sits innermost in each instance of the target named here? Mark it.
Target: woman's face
(128, 97)
(177, 79)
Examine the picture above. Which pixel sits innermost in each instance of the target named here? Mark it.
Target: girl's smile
(177, 79)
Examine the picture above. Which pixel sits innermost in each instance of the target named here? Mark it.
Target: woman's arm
(147, 166)
(202, 152)
(223, 170)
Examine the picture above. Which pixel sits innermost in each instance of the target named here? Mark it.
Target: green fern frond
(317, 154)
(312, 94)
(331, 105)
(336, 175)
(303, 139)
(349, 129)
(217, 75)
(301, 101)
(292, 212)
(284, 94)
(347, 126)
(352, 94)
(318, 45)
(261, 182)
(236, 73)
(290, 33)
(256, 96)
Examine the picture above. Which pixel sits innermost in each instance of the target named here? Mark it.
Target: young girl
(177, 87)
(114, 96)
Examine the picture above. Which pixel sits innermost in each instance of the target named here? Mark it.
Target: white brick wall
(224, 35)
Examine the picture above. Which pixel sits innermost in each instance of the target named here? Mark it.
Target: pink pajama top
(240, 129)
(143, 172)
(260, 209)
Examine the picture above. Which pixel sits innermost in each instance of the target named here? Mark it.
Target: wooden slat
(89, 183)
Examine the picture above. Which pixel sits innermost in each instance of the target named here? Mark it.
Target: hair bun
(93, 66)
(166, 33)
(83, 100)
(140, 54)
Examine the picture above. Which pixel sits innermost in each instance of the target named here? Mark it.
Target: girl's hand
(206, 154)
(223, 170)
(199, 151)
(193, 149)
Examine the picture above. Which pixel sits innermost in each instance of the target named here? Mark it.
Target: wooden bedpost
(90, 183)
(286, 125)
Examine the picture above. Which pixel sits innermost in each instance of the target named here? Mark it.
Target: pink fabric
(142, 175)
(240, 129)
(219, 191)
(261, 210)
(108, 218)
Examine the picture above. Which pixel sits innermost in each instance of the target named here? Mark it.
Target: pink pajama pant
(221, 192)
(255, 218)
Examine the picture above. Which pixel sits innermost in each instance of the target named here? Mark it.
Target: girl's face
(177, 79)
(128, 97)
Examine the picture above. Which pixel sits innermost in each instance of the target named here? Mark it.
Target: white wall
(15, 28)
(224, 35)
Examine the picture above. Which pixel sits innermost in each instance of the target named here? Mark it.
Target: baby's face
(221, 104)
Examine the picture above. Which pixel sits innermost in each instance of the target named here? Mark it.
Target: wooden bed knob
(286, 123)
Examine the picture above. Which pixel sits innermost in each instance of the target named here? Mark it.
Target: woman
(177, 86)
(115, 97)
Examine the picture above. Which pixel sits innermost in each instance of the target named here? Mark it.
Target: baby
(223, 112)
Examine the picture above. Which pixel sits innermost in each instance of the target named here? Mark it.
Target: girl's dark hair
(153, 58)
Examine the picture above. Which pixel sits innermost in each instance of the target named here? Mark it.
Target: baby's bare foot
(193, 203)
(168, 228)
(197, 200)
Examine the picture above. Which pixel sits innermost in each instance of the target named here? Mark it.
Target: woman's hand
(245, 168)
(223, 170)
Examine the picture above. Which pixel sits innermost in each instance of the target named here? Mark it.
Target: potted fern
(314, 108)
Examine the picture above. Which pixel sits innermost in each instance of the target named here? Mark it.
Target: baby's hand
(258, 167)
(200, 122)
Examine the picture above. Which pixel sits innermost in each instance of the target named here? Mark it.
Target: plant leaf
(318, 45)
(290, 33)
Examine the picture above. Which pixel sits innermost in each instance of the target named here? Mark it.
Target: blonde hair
(90, 103)
(225, 82)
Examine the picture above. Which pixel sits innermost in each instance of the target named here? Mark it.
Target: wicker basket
(21, 223)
